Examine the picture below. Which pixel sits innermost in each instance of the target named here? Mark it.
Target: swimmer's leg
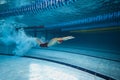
(38, 41)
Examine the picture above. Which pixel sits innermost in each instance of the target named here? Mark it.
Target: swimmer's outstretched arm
(59, 40)
(53, 41)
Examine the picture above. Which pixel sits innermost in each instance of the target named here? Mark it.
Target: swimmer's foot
(67, 38)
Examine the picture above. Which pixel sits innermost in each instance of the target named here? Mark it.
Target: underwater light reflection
(44, 72)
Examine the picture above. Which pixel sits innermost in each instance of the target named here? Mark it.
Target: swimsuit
(44, 44)
(60, 41)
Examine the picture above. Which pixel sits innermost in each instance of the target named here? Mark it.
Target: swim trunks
(60, 41)
(44, 44)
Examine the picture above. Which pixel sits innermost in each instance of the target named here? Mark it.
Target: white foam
(10, 36)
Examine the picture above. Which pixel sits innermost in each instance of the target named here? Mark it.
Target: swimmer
(53, 41)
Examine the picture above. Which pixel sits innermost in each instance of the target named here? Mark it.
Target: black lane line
(69, 65)
(82, 54)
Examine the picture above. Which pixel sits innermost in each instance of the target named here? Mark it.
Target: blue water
(94, 52)
(64, 21)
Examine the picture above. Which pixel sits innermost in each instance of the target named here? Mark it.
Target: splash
(9, 35)
(23, 43)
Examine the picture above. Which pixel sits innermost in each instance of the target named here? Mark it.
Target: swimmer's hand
(68, 37)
